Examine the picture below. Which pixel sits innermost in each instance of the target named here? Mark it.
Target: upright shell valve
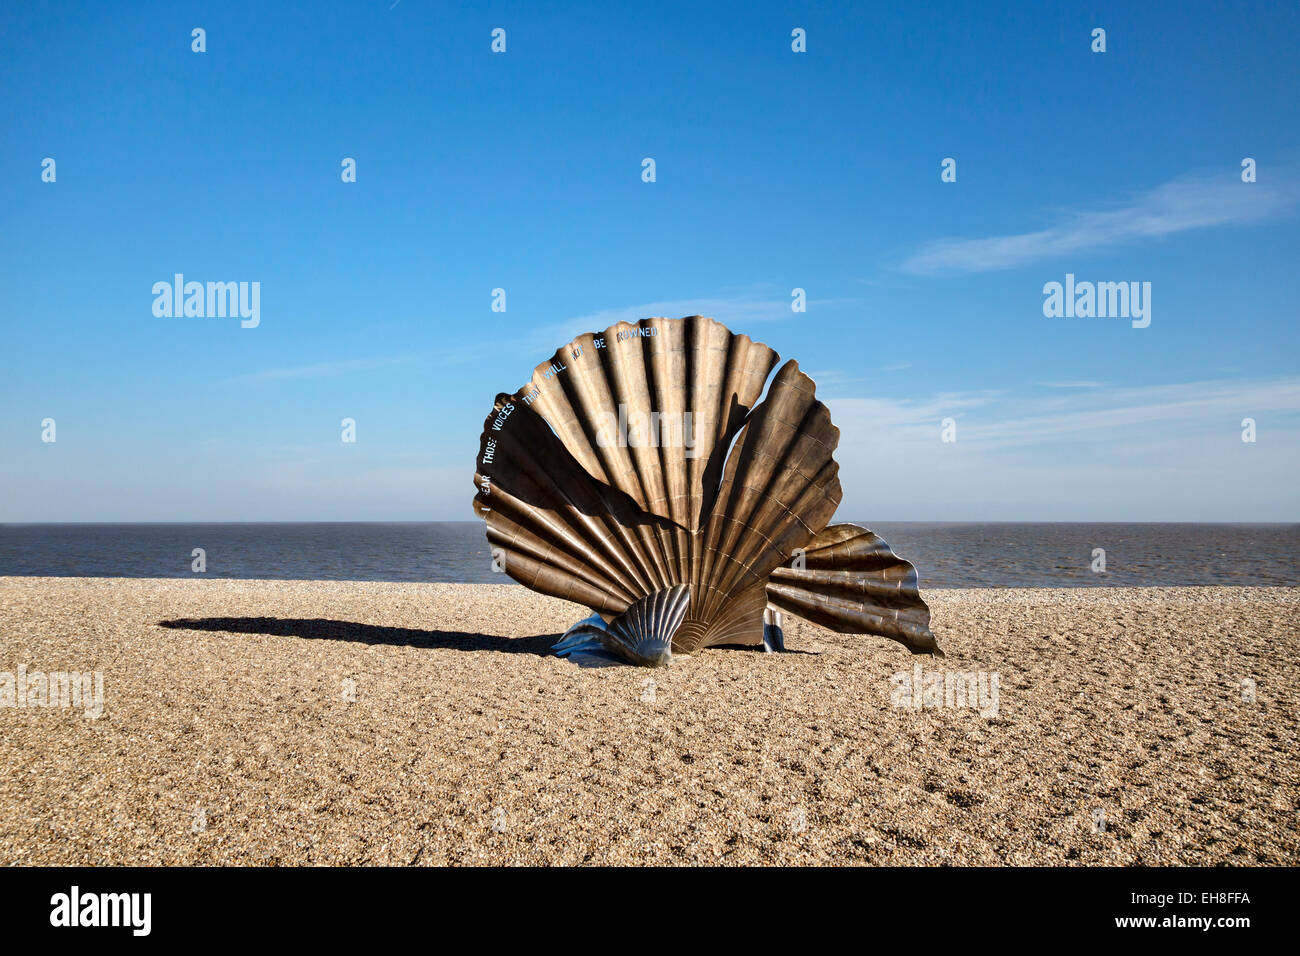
(645, 473)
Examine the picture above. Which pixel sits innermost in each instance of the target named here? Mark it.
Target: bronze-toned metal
(847, 579)
(643, 634)
(641, 460)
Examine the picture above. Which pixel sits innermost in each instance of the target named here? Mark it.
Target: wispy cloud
(737, 310)
(1071, 384)
(733, 312)
(322, 369)
(1118, 415)
(1098, 415)
(1186, 203)
(1163, 452)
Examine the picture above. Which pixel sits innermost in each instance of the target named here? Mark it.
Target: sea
(946, 554)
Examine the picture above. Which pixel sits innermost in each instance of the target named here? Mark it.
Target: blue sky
(522, 170)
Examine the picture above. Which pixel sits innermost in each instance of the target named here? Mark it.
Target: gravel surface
(299, 722)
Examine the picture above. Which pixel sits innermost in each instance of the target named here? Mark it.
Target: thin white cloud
(731, 311)
(1158, 453)
(1117, 415)
(1102, 414)
(1071, 384)
(737, 311)
(322, 369)
(1186, 203)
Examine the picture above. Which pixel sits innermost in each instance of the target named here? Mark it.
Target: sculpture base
(773, 636)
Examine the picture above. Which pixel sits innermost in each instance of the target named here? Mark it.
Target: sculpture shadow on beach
(316, 628)
(331, 630)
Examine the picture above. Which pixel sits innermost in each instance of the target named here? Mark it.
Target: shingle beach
(274, 722)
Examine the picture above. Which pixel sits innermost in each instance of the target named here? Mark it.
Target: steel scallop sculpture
(644, 473)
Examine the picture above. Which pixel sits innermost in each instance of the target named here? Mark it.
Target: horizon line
(17, 524)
